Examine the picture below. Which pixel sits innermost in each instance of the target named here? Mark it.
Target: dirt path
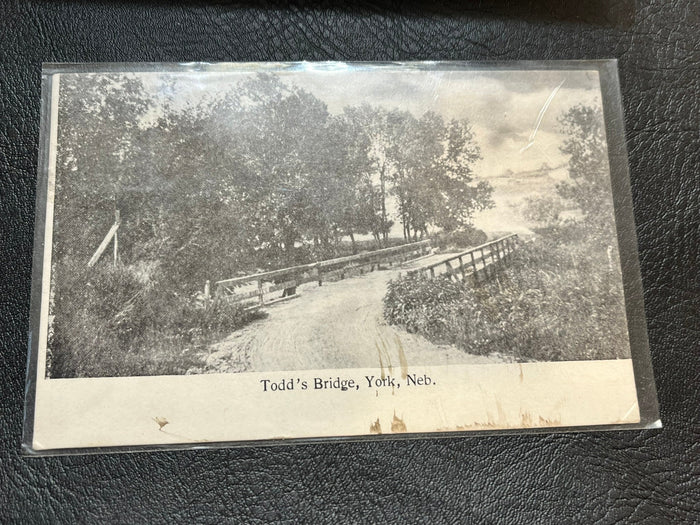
(337, 325)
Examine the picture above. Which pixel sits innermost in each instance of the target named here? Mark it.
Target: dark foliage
(112, 322)
(458, 240)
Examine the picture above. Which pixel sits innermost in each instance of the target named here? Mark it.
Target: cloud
(505, 131)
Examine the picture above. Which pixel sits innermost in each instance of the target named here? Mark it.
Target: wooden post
(116, 247)
(432, 272)
(117, 220)
(103, 245)
(461, 267)
(448, 268)
(483, 261)
(319, 275)
(260, 293)
(471, 256)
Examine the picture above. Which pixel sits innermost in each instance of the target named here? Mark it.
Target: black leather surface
(631, 476)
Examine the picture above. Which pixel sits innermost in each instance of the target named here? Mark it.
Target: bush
(554, 301)
(110, 322)
(421, 305)
(459, 240)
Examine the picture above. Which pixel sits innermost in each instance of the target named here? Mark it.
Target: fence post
(476, 273)
(319, 274)
(117, 220)
(261, 297)
(432, 272)
(485, 269)
(448, 269)
(461, 267)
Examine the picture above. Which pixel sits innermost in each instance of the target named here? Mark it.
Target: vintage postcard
(236, 253)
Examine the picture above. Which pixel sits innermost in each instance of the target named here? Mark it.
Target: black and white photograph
(231, 253)
(275, 220)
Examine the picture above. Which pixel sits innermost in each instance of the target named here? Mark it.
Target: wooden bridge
(480, 263)
(342, 325)
(258, 288)
(264, 288)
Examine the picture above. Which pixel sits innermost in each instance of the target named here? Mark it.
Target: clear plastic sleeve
(265, 253)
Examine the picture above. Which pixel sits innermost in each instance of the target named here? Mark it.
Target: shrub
(458, 240)
(110, 322)
(421, 305)
(554, 301)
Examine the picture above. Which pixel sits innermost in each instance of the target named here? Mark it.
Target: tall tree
(433, 175)
(280, 135)
(589, 172)
(100, 122)
(381, 128)
(460, 194)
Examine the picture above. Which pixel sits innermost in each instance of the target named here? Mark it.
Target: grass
(134, 320)
(559, 298)
(118, 322)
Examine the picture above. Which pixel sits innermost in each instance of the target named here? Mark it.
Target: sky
(513, 114)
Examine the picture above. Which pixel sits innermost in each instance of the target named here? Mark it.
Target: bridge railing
(258, 287)
(472, 261)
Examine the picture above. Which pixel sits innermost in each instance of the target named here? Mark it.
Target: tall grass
(559, 298)
(136, 319)
(117, 322)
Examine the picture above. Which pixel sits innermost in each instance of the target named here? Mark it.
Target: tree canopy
(263, 175)
(588, 186)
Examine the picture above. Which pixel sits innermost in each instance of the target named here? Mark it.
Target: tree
(280, 134)
(433, 174)
(381, 129)
(589, 172)
(100, 119)
(343, 183)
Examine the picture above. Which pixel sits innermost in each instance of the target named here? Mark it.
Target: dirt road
(337, 325)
